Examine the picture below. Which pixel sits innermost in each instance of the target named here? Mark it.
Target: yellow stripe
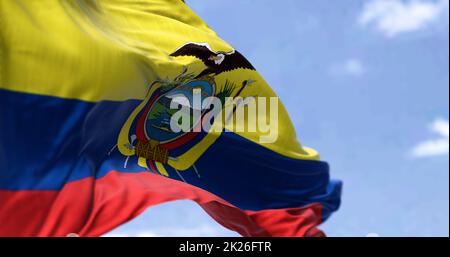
(94, 50)
(114, 50)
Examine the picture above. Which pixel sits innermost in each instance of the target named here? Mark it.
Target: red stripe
(93, 207)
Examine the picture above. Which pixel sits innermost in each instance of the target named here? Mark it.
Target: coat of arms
(148, 133)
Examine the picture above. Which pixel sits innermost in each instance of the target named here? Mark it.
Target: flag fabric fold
(86, 142)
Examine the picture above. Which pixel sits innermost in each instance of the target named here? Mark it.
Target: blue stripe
(46, 142)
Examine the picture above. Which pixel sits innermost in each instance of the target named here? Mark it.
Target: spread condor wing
(200, 51)
(233, 60)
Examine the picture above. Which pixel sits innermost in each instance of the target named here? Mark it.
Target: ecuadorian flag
(88, 95)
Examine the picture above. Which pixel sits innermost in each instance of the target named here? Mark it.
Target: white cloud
(393, 17)
(350, 67)
(437, 146)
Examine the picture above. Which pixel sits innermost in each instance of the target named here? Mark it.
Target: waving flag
(87, 138)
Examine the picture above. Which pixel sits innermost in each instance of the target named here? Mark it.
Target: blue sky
(366, 84)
